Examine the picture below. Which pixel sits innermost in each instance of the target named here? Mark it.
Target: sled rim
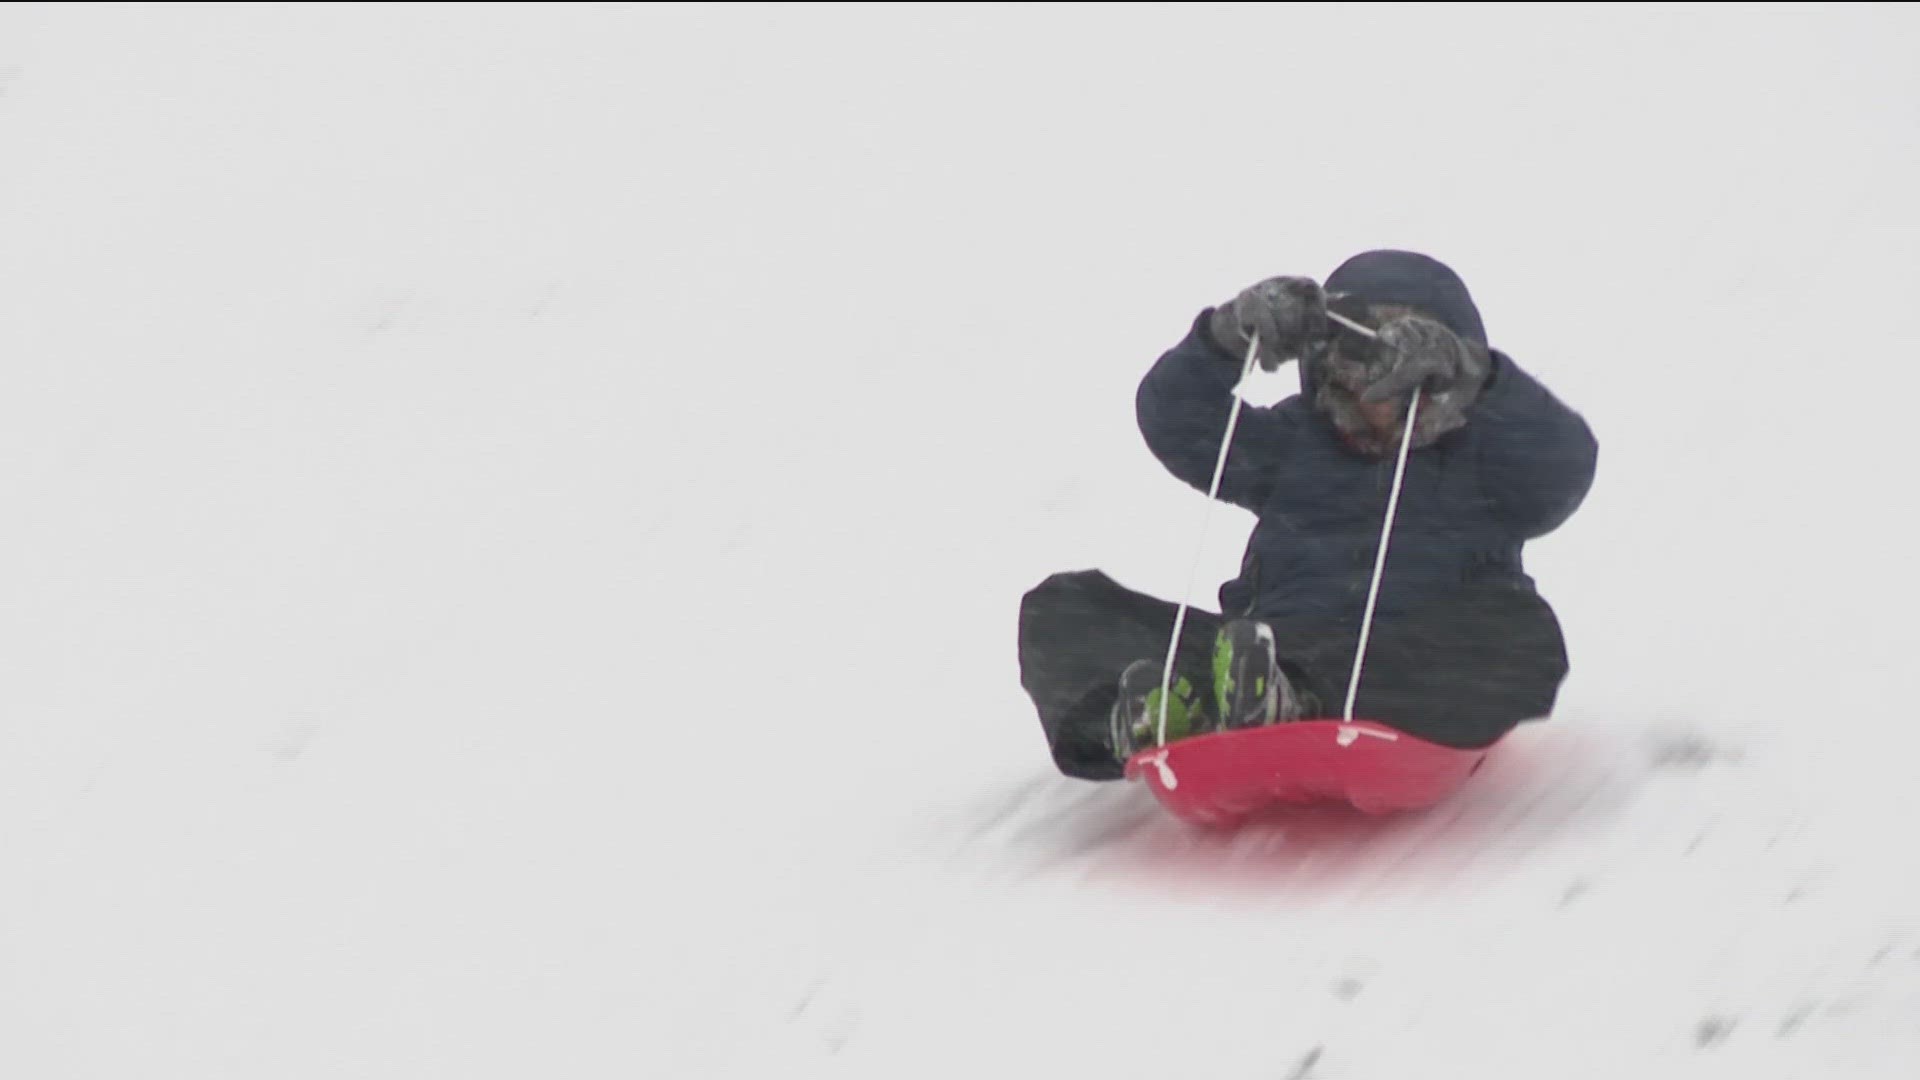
(1345, 733)
(1220, 779)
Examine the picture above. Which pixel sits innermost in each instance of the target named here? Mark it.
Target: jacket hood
(1414, 280)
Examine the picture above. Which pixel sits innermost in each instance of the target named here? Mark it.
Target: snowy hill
(514, 519)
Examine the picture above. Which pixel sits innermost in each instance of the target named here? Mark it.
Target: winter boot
(1249, 688)
(1135, 720)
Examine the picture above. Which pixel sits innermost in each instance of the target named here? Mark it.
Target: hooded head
(1371, 288)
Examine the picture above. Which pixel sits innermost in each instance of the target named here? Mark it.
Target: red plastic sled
(1221, 779)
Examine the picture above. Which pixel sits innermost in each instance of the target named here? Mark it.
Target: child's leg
(1466, 669)
(1078, 632)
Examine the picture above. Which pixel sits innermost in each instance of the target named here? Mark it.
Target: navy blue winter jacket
(1517, 471)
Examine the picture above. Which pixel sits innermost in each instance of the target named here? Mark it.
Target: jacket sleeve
(1536, 456)
(1183, 405)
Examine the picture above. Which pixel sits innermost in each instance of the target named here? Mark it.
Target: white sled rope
(1380, 560)
(1213, 495)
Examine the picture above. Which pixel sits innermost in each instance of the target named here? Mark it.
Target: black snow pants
(1462, 668)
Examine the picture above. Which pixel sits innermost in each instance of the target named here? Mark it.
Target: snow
(515, 517)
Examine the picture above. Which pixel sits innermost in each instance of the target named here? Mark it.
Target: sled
(1219, 780)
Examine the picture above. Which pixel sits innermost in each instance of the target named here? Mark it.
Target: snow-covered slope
(514, 518)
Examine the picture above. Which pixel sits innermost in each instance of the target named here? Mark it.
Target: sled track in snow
(1536, 804)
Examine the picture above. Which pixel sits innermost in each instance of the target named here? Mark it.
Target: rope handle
(1380, 559)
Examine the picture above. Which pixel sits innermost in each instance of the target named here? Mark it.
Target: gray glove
(1449, 371)
(1288, 313)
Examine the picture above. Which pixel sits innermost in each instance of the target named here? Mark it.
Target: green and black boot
(1135, 720)
(1249, 687)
